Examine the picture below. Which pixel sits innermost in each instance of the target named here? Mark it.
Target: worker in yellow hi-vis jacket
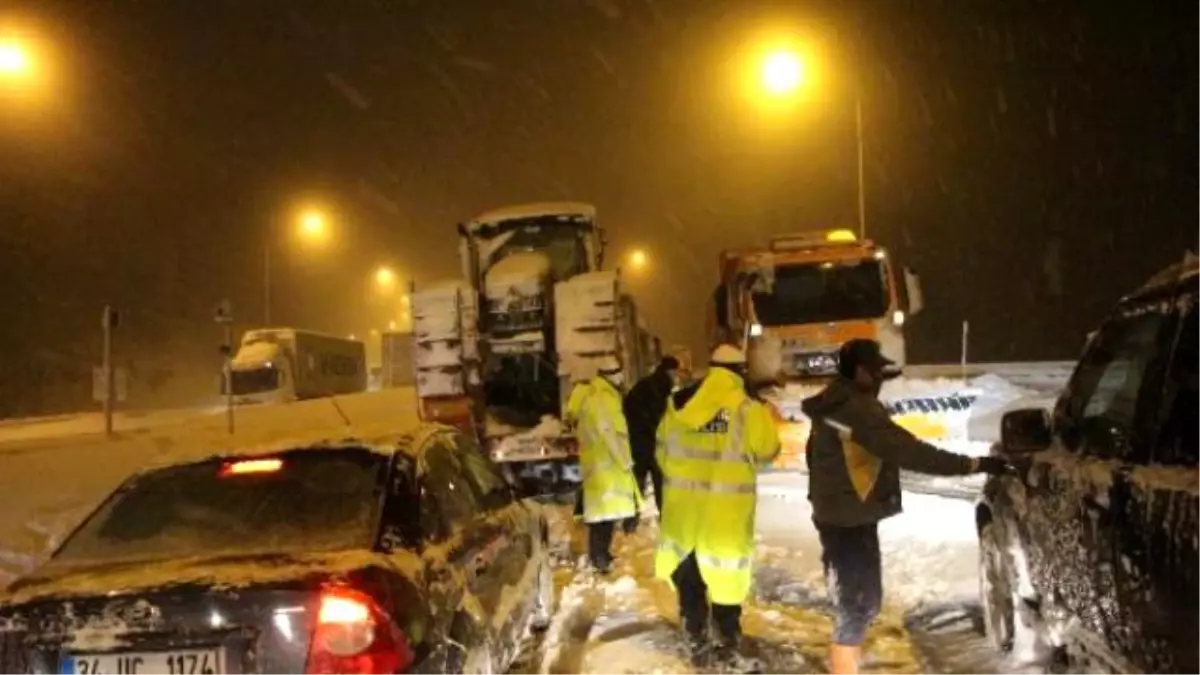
(610, 493)
(711, 442)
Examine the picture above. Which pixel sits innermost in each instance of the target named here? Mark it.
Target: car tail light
(353, 635)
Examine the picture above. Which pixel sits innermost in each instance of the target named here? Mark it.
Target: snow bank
(48, 485)
(957, 414)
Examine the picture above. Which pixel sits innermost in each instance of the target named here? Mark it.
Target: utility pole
(224, 317)
(266, 283)
(862, 178)
(108, 321)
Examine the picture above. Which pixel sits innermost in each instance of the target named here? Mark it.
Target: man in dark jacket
(645, 406)
(855, 454)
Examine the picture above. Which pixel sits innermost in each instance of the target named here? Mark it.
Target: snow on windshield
(314, 501)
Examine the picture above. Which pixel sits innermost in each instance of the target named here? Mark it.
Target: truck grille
(515, 315)
(814, 364)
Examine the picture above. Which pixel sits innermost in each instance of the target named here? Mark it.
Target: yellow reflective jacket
(710, 444)
(609, 489)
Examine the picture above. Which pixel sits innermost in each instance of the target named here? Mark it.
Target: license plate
(177, 662)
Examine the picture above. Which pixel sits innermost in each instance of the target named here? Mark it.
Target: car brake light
(246, 466)
(352, 635)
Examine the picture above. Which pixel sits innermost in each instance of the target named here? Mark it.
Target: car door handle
(1093, 504)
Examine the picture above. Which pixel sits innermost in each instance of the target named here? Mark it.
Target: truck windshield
(303, 501)
(822, 292)
(255, 380)
(562, 243)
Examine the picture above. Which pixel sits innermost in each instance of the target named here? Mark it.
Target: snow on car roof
(533, 210)
(1180, 272)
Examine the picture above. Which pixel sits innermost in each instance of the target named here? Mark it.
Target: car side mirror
(912, 287)
(1025, 431)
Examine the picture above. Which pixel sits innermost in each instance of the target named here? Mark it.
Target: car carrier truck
(499, 350)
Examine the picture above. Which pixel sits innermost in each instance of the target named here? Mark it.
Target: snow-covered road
(627, 622)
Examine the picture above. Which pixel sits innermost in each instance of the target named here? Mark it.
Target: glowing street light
(385, 278)
(782, 72)
(14, 59)
(638, 259)
(313, 225)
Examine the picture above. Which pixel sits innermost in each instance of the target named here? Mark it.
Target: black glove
(994, 466)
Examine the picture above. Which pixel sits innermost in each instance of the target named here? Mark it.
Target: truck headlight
(756, 330)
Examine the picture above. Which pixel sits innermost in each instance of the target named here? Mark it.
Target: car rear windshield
(296, 502)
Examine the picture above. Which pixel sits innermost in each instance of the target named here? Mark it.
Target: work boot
(602, 565)
(843, 659)
(699, 648)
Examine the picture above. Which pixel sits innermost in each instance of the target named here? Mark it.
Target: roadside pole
(108, 321)
(224, 317)
(966, 331)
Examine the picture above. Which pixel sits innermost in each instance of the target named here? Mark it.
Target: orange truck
(794, 302)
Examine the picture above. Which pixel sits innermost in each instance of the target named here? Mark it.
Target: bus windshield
(823, 292)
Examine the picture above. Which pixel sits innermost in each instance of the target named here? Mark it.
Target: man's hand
(993, 466)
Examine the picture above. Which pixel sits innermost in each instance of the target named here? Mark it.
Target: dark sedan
(344, 558)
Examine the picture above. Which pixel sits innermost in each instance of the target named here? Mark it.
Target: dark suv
(1088, 552)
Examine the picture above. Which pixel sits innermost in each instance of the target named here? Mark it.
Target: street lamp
(311, 226)
(14, 59)
(783, 72)
(385, 278)
(638, 259)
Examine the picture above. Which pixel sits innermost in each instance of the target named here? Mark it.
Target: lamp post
(783, 74)
(312, 226)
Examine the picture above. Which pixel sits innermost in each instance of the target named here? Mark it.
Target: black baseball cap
(862, 352)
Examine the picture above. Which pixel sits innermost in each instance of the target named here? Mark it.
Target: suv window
(1180, 434)
(1104, 412)
(447, 499)
(493, 490)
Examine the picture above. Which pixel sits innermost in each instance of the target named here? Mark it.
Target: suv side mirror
(1025, 431)
(912, 287)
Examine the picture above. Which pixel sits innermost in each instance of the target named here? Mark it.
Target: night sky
(1032, 160)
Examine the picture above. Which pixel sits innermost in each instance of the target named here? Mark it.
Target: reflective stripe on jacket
(710, 444)
(609, 489)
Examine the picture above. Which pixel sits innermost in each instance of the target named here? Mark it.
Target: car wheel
(470, 650)
(996, 590)
(543, 604)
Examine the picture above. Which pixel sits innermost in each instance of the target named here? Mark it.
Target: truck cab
(280, 365)
(793, 303)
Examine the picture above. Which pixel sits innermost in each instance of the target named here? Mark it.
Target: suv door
(1105, 422)
(1156, 542)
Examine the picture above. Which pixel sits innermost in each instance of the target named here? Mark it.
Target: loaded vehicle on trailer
(534, 313)
(793, 303)
(279, 365)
